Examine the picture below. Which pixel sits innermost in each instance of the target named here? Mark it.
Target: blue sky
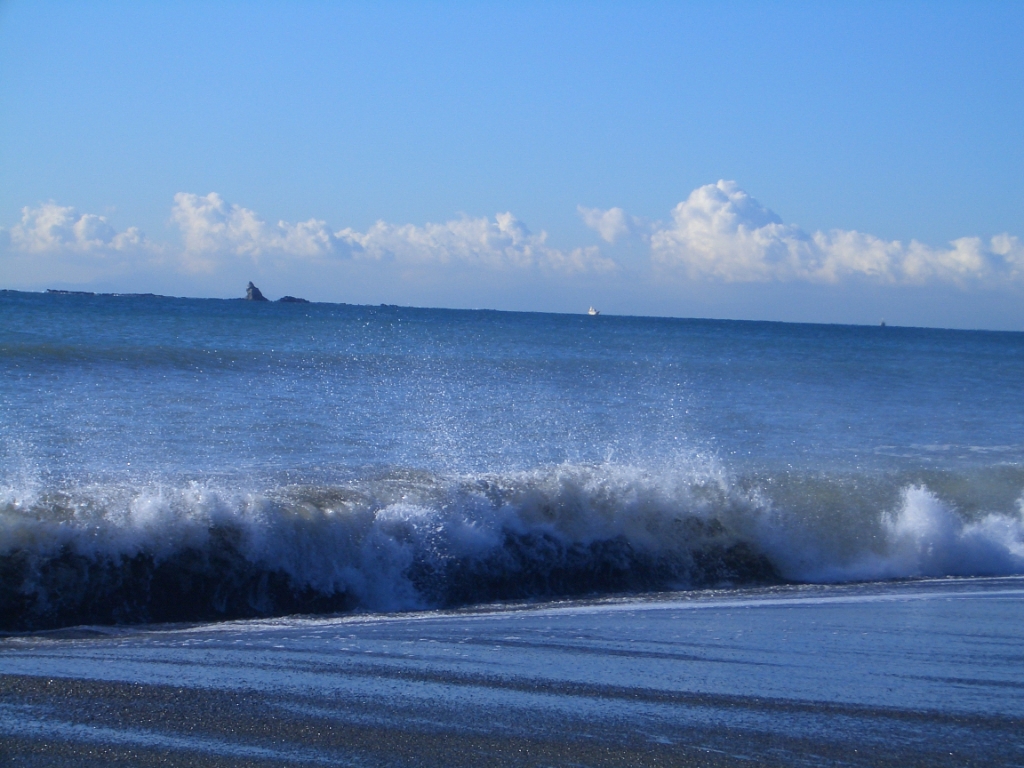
(793, 161)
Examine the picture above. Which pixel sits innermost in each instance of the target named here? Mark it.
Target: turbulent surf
(169, 460)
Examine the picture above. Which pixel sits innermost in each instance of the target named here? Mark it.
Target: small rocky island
(252, 293)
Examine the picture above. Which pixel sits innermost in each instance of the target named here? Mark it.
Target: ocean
(176, 472)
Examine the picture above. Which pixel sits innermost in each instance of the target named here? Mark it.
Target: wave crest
(409, 540)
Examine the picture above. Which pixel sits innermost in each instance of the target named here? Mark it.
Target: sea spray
(411, 540)
(182, 460)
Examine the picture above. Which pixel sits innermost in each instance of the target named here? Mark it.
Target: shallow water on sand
(906, 673)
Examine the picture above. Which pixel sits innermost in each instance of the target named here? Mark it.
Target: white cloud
(610, 225)
(55, 229)
(499, 243)
(721, 232)
(211, 229)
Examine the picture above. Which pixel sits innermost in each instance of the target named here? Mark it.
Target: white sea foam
(414, 540)
(925, 536)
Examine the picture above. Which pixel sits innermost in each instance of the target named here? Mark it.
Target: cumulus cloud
(56, 229)
(718, 233)
(721, 232)
(503, 242)
(211, 228)
(610, 225)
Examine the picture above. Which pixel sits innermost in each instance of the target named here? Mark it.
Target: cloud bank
(55, 229)
(721, 233)
(211, 229)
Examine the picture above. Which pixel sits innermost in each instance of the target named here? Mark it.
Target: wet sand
(923, 673)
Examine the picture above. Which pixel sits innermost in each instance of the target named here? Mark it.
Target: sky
(813, 162)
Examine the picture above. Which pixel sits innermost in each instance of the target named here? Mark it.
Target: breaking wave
(402, 540)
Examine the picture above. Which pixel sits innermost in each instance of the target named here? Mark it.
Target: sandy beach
(912, 673)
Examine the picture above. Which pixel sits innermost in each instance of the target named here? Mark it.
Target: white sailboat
(593, 312)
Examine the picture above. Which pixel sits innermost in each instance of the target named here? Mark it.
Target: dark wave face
(412, 540)
(182, 460)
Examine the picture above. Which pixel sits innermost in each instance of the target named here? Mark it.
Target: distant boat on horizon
(593, 312)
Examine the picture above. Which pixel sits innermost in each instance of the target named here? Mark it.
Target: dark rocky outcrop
(252, 293)
(293, 300)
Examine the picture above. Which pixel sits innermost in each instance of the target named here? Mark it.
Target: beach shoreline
(905, 673)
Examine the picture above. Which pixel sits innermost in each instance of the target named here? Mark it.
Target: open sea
(219, 463)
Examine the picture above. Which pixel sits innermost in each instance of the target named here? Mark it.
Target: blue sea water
(166, 459)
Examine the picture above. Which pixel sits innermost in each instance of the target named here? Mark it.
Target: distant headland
(252, 293)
